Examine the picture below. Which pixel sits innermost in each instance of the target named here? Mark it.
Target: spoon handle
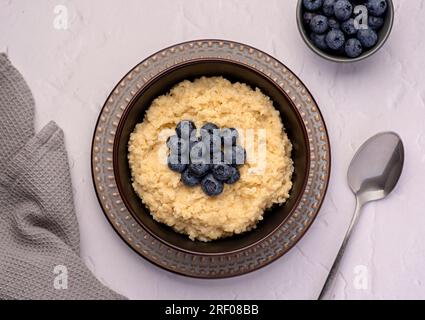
(334, 270)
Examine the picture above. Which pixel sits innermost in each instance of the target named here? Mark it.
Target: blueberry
(312, 5)
(307, 16)
(340, 51)
(376, 7)
(235, 156)
(217, 157)
(189, 179)
(207, 130)
(235, 176)
(211, 186)
(213, 140)
(343, 9)
(222, 171)
(199, 169)
(353, 48)
(209, 127)
(185, 128)
(194, 140)
(319, 24)
(175, 164)
(229, 136)
(348, 27)
(375, 23)
(333, 24)
(177, 145)
(328, 7)
(319, 40)
(368, 38)
(199, 152)
(335, 39)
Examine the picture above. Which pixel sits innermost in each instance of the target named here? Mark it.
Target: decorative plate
(197, 265)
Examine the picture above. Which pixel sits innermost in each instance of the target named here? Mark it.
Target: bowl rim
(329, 57)
(125, 114)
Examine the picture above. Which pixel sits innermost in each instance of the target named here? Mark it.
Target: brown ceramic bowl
(160, 85)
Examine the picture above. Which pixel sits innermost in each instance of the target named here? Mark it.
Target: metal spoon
(372, 175)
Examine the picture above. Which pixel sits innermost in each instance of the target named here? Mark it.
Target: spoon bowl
(376, 167)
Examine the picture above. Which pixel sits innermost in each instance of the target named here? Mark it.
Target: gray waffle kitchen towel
(39, 237)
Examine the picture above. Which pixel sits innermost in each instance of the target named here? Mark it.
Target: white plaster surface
(71, 72)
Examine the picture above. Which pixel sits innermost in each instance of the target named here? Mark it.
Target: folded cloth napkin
(39, 237)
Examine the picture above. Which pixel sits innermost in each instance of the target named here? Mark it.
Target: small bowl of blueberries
(345, 30)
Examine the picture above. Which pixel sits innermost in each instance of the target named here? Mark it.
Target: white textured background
(71, 72)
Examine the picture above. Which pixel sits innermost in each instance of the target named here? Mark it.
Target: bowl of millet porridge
(241, 205)
(201, 213)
